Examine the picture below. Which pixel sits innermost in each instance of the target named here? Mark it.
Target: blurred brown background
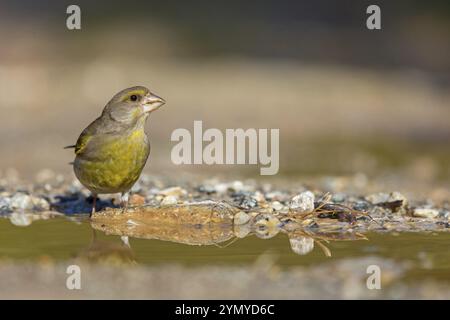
(346, 99)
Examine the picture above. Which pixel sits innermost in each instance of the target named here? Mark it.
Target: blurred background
(346, 99)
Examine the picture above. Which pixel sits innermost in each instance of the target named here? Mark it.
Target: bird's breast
(120, 165)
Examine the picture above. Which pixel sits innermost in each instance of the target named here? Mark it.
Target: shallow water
(60, 239)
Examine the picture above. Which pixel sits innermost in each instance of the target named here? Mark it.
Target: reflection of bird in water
(108, 252)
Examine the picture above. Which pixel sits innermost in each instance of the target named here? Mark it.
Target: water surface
(61, 239)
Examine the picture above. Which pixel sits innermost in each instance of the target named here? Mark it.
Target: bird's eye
(133, 97)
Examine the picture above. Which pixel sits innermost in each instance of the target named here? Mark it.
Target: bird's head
(132, 104)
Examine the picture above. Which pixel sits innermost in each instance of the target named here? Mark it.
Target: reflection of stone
(266, 225)
(202, 223)
(242, 230)
(20, 219)
(302, 245)
(267, 233)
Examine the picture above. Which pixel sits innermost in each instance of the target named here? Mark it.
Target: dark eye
(133, 97)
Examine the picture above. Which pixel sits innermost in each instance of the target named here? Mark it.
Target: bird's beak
(152, 102)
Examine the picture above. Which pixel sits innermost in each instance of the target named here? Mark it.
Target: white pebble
(169, 200)
(425, 213)
(23, 201)
(173, 191)
(277, 206)
(303, 202)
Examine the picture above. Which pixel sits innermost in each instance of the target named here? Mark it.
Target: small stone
(241, 218)
(4, 205)
(382, 197)
(259, 197)
(236, 186)
(338, 197)
(361, 206)
(208, 189)
(221, 188)
(137, 200)
(425, 213)
(21, 201)
(248, 203)
(276, 196)
(173, 191)
(302, 245)
(443, 214)
(303, 202)
(277, 206)
(169, 200)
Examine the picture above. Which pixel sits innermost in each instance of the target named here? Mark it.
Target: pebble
(236, 186)
(137, 200)
(169, 200)
(208, 189)
(277, 196)
(303, 202)
(382, 197)
(221, 188)
(247, 202)
(338, 197)
(4, 205)
(174, 191)
(361, 206)
(259, 197)
(425, 213)
(277, 206)
(22, 201)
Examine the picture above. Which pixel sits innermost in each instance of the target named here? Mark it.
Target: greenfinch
(112, 151)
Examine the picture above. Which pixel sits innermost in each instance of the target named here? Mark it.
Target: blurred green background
(346, 99)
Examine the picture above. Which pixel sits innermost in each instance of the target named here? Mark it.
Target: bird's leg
(124, 201)
(125, 241)
(94, 203)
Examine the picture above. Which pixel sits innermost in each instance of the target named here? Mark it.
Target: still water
(62, 238)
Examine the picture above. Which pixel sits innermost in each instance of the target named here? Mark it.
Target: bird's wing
(96, 135)
(86, 135)
(82, 141)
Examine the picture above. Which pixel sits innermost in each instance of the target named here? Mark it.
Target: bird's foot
(94, 203)
(124, 201)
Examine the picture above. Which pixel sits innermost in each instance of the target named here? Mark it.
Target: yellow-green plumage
(112, 151)
(119, 167)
